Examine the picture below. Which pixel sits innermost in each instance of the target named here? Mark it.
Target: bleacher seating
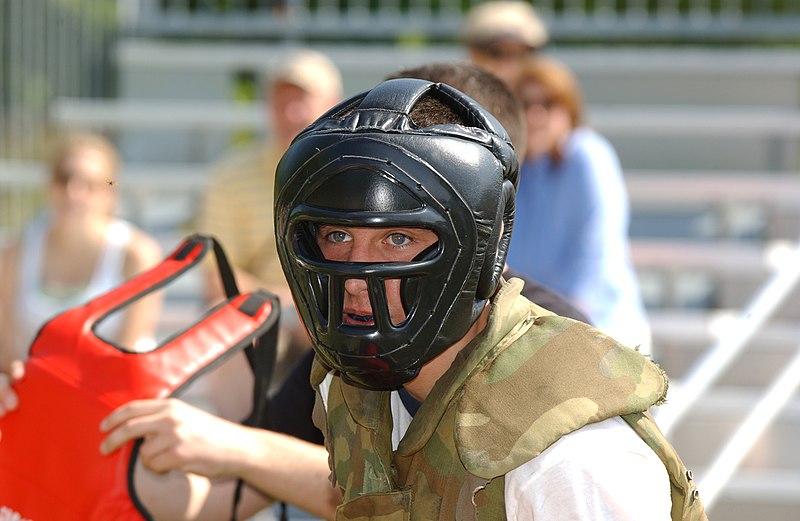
(731, 21)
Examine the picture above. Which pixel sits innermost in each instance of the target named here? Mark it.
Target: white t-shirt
(35, 306)
(601, 472)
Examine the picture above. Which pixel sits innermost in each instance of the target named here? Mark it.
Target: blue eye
(398, 239)
(338, 236)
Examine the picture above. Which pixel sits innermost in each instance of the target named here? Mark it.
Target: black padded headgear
(365, 163)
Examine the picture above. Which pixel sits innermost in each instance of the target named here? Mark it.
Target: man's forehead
(288, 86)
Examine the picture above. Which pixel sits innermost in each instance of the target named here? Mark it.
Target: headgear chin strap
(366, 163)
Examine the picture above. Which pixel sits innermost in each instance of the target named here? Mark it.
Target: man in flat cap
(499, 34)
(237, 207)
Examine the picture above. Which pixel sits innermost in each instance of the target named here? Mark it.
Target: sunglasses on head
(502, 48)
(544, 103)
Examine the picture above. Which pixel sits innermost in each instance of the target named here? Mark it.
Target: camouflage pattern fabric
(686, 503)
(471, 430)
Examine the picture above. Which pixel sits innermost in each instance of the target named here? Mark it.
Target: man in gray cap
(237, 206)
(499, 34)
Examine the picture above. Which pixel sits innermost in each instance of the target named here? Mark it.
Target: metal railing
(719, 474)
(702, 376)
(717, 359)
(21, 196)
(49, 48)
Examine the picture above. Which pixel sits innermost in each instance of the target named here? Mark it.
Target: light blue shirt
(571, 235)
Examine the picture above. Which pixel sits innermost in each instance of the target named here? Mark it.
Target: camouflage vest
(471, 430)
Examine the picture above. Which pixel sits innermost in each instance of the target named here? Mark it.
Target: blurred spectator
(500, 35)
(75, 250)
(571, 227)
(237, 209)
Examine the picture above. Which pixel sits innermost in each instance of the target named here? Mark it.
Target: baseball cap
(310, 70)
(495, 22)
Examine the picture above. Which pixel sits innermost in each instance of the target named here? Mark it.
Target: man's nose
(360, 251)
(355, 287)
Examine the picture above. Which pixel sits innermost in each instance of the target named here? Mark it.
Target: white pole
(717, 359)
(726, 462)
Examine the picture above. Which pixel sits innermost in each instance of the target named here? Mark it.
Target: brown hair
(482, 86)
(73, 141)
(558, 80)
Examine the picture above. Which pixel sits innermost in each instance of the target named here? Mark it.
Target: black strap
(260, 354)
(225, 270)
(261, 358)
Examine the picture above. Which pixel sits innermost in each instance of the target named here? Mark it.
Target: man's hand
(177, 436)
(183, 438)
(8, 398)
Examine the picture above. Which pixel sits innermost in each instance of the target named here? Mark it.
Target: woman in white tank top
(73, 252)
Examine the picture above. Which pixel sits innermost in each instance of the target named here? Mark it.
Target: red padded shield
(50, 465)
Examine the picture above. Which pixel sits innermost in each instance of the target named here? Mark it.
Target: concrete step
(766, 495)
(705, 429)
(618, 74)
(646, 136)
(750, 206)
(666, 84)
(694, 330)
(681, 338)
(688, 119)
(706, 204)
(710, 274)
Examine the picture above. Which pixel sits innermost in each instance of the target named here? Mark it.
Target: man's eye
(398, 239)
(337, 236)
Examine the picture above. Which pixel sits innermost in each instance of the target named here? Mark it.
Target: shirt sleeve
(602, 472)
(290, 409)
(218, 217)
(600, 219)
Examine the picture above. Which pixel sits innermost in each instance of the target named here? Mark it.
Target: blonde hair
(559, 82)
(70, 143)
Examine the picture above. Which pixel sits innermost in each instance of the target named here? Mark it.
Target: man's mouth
(356, 319)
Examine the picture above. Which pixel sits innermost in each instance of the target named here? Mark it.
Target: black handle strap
(261, 355)
(225, 270)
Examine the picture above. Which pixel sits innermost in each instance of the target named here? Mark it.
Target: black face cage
(430, 284)
(465, 191)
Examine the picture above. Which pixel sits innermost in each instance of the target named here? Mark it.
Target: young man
(443, 393)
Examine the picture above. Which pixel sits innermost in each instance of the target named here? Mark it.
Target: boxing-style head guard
(365, 163)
